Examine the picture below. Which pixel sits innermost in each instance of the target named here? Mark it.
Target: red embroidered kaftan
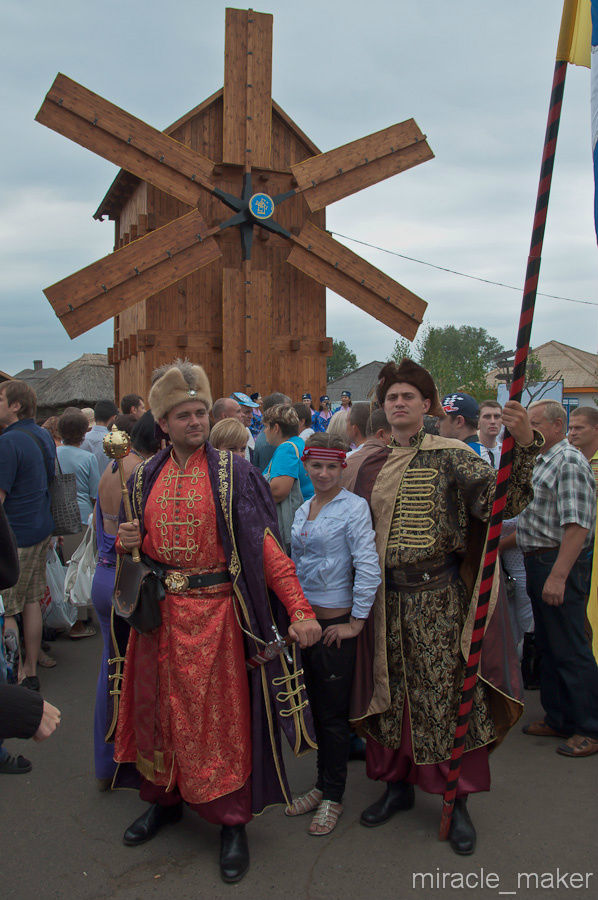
(192, 727)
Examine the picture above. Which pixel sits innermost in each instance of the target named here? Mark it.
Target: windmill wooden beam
(329, 177)
(317, 254)
(247, 121)
(236, 261)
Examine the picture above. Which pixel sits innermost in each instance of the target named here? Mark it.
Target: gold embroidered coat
(429, 500)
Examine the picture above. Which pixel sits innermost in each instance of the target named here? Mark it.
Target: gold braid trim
(117, 678)
(137, 496)
(295, 708)
(225, 495)
(225, 492)
(119, 661)
(291, 693)
(277, 761)
(149, 768)
(412, 522)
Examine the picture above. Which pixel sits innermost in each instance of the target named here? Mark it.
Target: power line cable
(422, 262)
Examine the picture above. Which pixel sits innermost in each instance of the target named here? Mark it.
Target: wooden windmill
(221, 253)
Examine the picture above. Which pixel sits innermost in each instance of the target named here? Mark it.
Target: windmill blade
(331, 176)
(341, 270)
(247, 116)
(133, 273)
(95, 123)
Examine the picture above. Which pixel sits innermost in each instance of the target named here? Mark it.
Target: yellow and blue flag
(575, 34)
(578, 44)
(595, 109)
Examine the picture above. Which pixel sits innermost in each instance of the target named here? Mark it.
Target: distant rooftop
(577, 368)
(36, 376)
(361, 382)
(81, 383)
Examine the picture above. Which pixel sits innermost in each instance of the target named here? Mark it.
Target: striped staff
(506, 458)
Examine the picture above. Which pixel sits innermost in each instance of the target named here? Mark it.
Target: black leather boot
(146, 826)
(398, 796)
(234, 853)
(462, 836)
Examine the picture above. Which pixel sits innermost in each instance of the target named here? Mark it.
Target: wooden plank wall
(233, 333)
(259, 331)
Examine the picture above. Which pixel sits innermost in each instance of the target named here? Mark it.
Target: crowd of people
(308, 574)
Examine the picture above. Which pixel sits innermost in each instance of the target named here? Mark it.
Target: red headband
(325, 453)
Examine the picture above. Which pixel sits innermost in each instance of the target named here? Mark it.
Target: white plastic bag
(57, 611)
(81, 569)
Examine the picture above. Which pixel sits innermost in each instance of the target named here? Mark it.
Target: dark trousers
(568, 670)
(328, 679)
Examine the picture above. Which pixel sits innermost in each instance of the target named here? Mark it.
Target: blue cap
(324, 398)
(243, 399)
(461, 404)
(346, 394)
(306, 396)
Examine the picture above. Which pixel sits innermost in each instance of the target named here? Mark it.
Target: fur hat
(410, 373)
(176, 383)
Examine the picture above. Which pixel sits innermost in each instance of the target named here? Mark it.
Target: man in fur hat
(431, 497)
(197, 727)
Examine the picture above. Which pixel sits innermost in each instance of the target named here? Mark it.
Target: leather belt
(177, 582)
(537, 550)
(423, 576)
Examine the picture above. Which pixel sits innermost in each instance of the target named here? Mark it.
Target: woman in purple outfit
(144, 444)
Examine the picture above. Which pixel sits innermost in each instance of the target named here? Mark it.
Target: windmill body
(220, 249)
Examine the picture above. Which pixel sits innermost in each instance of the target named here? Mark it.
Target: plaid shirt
(564, 494)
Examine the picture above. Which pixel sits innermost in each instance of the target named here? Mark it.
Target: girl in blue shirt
(289, 482)
(281, 426)
(333, 547)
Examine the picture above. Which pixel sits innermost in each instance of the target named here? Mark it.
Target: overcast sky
(476, 76)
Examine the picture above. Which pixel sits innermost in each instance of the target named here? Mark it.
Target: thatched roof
(35, 377)
(577, 368)
(81, 383)
(361, 382)
(4, 376)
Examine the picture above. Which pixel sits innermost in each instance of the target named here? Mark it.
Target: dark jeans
(568, 670)
(328, 679)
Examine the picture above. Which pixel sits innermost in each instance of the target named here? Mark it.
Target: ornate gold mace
(117, 445)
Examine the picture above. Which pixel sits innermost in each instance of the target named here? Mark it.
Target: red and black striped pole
(506, 458)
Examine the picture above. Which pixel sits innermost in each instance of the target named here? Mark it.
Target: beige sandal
(45, 660)
(305, 803)
(326, 818)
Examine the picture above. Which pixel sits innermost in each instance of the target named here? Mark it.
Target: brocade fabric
(193, 730)
(202, 686)
(441, 491)
(425, 662)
